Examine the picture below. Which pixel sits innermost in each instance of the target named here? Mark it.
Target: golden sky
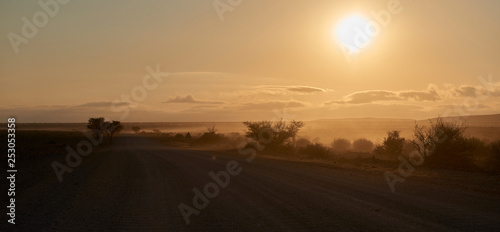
(430, 58)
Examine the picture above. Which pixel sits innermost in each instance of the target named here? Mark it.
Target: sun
(349, 32)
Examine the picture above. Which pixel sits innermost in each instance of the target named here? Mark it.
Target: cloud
(102, 104)
(492, 90)
(464, 91)
(280, 90)
(368, 97)
(306, 89)
(189, 100)
(430, 95)
(371, 96)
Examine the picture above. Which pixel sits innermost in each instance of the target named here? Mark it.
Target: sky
(206, 60)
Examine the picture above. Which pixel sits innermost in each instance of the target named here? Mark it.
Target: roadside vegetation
(443, 145)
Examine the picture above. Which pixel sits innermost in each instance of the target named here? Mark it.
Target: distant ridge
(476, 120)
(471, 120)
(365, 120)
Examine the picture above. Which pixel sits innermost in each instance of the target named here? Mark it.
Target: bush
(302, 143)
(363, 145)
(444, 144)
(179, 136)
(276, 136)
(316, 151)
(392, 145)
(341, 145)
(210, 137)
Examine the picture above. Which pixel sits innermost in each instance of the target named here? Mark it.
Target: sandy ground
(137, 185)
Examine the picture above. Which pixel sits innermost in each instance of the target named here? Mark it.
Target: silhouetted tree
(113, 127)
(96, 126)
(392, 145)
(99, 126)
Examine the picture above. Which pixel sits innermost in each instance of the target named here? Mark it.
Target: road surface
(138, 185)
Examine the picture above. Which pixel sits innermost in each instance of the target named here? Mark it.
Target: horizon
(312, 120)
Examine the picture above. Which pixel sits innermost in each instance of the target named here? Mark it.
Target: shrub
(277, 136)
(362, 145)
(179, 136)
(316, 151)
(302, 143)
(392, 146)
(444, 144)
(210, 137)
(341, 145)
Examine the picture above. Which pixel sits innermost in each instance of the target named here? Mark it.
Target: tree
(341, 145)
(392, 145)
(96, 125)
(136, 129)
(113, 127)
(99, 126)
(275, 135)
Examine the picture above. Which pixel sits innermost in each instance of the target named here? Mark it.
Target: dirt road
(138, 185)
